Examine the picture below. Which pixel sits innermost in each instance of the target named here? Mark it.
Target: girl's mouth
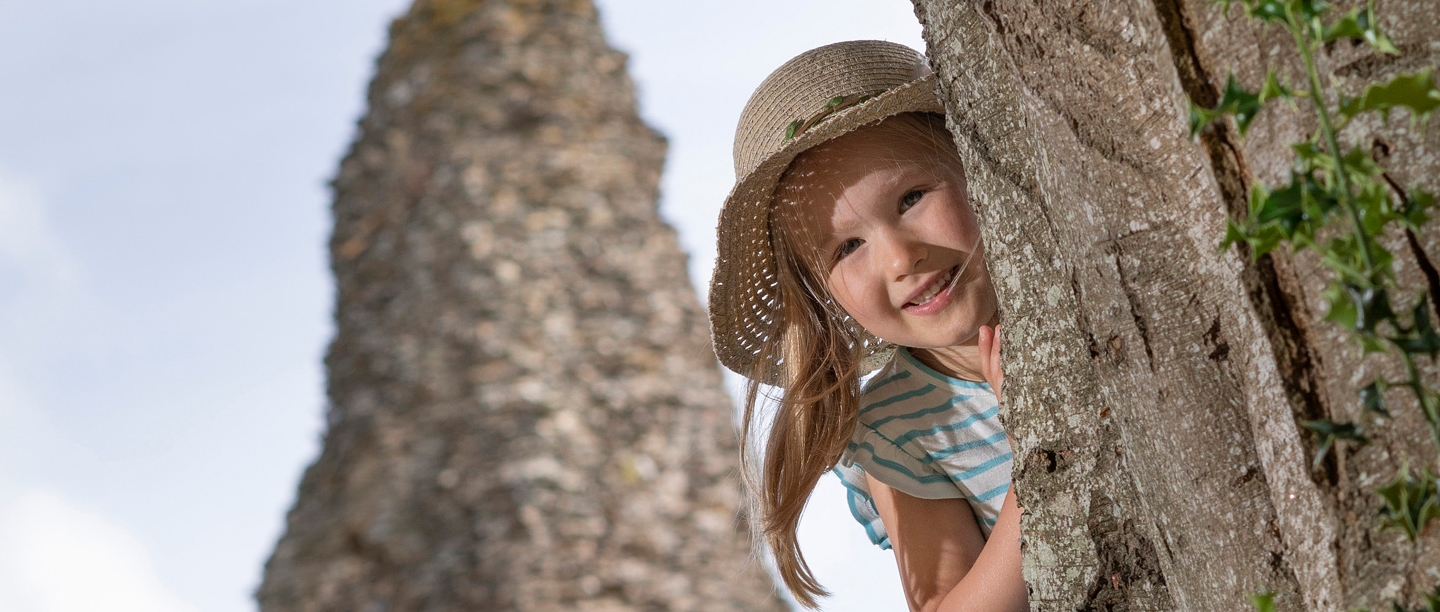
(940, 285)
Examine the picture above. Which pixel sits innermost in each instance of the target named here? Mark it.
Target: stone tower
(524, 410)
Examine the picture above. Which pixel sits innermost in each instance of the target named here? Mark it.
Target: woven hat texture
(826, 92)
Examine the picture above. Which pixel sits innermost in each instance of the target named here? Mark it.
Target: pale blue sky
(164, 292)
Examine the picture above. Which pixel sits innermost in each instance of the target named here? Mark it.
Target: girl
(846, 247)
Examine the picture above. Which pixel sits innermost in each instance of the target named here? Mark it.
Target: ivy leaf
(1241, 103)
(1374, 207)
(1416, 211)
(1375, 307)
(1410, 502)
(1265, 239)
(1372, 397)
(1199, 118)
(1356, 307)
(1309, 15)
(1343, 310)
(1285, 207)
(1360, 165)
(1312, 9)
(1273, 88)
(1269, 10)
(1342, 255)
(1421, 338)
(1235, 100)
(1311, 157)
(1415, 92)
(1264, 601)
(1233, 234)
(1360, 24)
(1370, 343)
(1330, 431)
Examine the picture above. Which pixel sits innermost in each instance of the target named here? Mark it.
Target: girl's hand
(990, 358)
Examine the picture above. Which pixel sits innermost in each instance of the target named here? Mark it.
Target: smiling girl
(848, 253)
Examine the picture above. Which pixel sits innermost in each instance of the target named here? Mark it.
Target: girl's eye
(847, 248)
(910, 199)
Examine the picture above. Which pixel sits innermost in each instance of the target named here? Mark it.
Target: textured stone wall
(525, 413)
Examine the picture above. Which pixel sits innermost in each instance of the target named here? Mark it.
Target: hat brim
(742, 296)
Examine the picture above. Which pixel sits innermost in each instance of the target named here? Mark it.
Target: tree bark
(525, 412)
(1153, 382)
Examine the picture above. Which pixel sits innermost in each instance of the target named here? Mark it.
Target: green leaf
(1329, 432)
(1375, 307)
(1311, 9)
(1312, 157)
(1273, 88)
(1373, 203)
(1199, 118)
(1285, 207)
(1421, 337)
(1309, 12)
(1416, 211)
(1415, 92)
(1265, 239)
(1372, 397)
(1410, 502)
(790, 129)
(1268, 11)
(1264, 601)
(1370, 343)
(1343, 310)
(1235, 100)
(1356, 307)
(1360, 24)
(1241, 103)
(1233, 234)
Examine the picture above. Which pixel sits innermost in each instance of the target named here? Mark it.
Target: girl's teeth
(934, 289)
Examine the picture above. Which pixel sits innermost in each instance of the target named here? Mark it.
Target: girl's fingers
(987, 341)
(995, 346)
(990, 358)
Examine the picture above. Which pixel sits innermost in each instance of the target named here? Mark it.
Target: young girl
(847, 246)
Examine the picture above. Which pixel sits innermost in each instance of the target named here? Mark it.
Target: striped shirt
(929, 435)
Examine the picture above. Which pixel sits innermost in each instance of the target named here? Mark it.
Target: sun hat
(818, 95)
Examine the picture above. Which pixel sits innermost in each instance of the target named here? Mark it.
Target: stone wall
(525, 413)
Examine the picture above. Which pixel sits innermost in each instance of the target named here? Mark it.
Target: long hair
(819, 350)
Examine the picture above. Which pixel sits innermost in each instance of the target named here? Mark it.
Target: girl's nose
(903, 256)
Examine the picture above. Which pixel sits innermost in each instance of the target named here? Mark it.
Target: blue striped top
(929, 435)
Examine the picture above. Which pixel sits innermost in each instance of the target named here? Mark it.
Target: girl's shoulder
(905, 375)
(917, 410)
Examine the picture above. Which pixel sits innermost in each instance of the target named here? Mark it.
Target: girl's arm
(945, 564)
(994, 581)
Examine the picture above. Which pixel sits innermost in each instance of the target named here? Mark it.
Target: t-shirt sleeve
(871, 453)
(862, 506)
(887, 462)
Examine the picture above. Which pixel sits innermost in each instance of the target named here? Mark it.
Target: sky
(165, 296)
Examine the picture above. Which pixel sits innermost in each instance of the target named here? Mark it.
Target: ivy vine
(1339, 202)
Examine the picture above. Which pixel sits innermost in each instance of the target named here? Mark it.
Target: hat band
(835, 105)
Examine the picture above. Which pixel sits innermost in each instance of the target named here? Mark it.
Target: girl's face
(884, 216)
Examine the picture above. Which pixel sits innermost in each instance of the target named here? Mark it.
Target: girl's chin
(967, 336)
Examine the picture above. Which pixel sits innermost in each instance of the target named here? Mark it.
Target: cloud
(28, 242)
(59, 558)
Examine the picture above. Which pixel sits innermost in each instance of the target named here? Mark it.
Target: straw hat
(819, 95)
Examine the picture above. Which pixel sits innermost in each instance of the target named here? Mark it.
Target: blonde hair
(819, 349)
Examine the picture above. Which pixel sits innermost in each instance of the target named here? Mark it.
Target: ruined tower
(524, 412)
